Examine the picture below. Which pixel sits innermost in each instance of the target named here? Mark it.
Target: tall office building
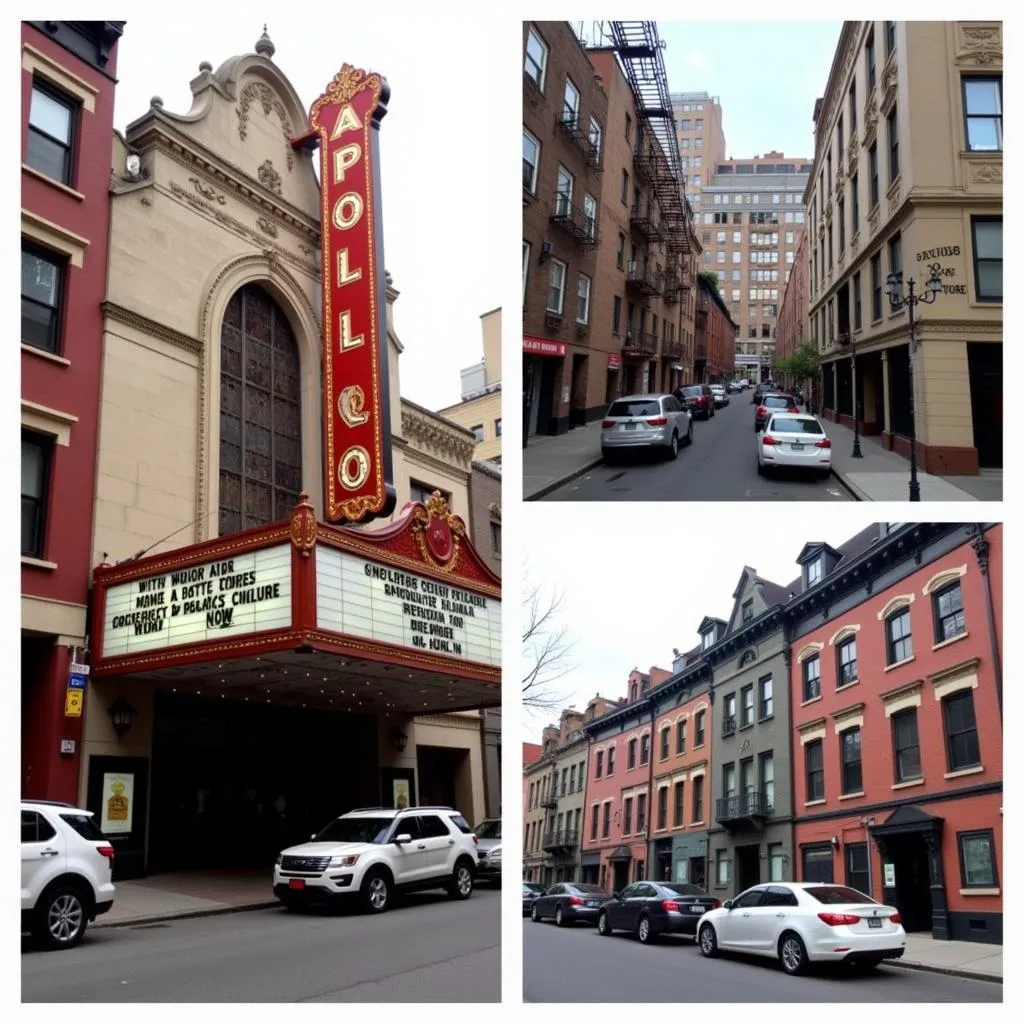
(698, 117)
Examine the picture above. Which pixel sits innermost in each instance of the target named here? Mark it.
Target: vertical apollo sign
(357, 413)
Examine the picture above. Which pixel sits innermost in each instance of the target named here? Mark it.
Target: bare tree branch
(547, 649)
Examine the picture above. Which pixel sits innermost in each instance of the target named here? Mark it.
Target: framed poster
(117, 793)
(400, 793)
(397, 787)
(118, 802)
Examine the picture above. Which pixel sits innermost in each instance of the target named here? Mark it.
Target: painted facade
(897, 727)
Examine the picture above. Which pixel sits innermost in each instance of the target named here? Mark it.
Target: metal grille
(305, 863)
(260, 427)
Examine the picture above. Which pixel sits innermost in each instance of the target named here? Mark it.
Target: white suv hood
(326, 849)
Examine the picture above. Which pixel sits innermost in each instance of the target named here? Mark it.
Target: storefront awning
(543, 346)
(620, 853)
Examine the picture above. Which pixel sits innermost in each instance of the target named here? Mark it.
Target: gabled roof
(773, 593)
(710, 620)
(531, 753)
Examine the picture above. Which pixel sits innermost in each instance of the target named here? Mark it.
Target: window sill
(767, 718)
(814, 803)
(846, 686)
(907, 784)
(851, 796)
(979, 892)
(743, 728)
(697, 824)
(812, 700)
(900, 664)
(959, 774)
(41, 353)
(951, 640)
(38, 563)
(66, 189)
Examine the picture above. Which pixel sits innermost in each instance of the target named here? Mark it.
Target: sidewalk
(978, 960)
(880, 475)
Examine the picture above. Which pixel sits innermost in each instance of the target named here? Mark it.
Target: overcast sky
(433, 126)
(651, 574)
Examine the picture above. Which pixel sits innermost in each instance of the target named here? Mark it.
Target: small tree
(803, 365)
(710, 278)
(547, 649)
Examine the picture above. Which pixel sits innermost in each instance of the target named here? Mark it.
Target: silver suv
(376, 852)
(488, 832)
(66, 868)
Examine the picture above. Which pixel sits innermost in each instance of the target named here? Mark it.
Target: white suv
(376, 852)
(66, 869)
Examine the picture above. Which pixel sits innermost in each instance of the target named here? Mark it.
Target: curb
(181, 915)
(853, 489)
(954, 972)
(555, 484)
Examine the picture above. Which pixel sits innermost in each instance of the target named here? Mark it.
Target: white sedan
(796, 440)
(804, 922)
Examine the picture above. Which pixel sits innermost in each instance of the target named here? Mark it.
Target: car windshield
(777, 401)
(795, 425)
(460, 823)
(533, 887)
(837, 894)
(586, 887)
(488, 829)
(84, 825)
(354, 830)
(636, 407)
(684, 890)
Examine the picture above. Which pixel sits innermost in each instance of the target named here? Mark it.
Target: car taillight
(826, 443)
(108, 852)
(576, 901)
(670, 905)
(768, 439)
(896, 919)
(657, 421)
(605, 424)
(715, 905)
(834, 920)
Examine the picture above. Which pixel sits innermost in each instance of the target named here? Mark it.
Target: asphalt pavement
(430, 949)
(720, 465)
(579, 966)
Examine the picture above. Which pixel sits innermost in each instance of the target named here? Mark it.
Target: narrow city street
(719, 466)
(428, 949)
(578, 965)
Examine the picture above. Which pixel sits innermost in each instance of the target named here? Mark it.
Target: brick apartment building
(701, 138)
(714, 348)
(793, 326)
(67, 117)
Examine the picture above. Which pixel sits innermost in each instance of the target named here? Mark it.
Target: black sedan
(569, 902)
(531, 890)
(650, 909)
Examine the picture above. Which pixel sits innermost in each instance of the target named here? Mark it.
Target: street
(720, 465)
(427, 949)
(578, 965)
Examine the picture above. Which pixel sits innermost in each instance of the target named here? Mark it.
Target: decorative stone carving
(870, 123)
(429, 433)
(980, 44)
(269, 178)
(259, 91)
(893, 195)
(207, 191)
(873, 220)
(268, 227)
(987, 174)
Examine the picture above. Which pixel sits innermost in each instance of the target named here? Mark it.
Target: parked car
(569, 902)
(771, 403)
(735, 386)
(651, 909)
(488, 835)
(802, 923)
(635, 422)
(531, 890)
(376, 852)
(698, 399)
(719, 395)
(67, 867)
(797, 440)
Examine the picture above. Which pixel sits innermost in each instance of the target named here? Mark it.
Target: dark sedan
(569, 902)
(531, 890)
(650, 909)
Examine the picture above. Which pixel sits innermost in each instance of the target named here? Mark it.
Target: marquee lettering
(346, 276)
(354, 203)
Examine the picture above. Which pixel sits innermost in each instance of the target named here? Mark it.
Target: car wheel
(603, 927)
(711, 412)
(689, 434)
(643, 930)
(534, 913)
(61, 917)
(673, 447)
(461, 885)
(792, 953)
(558, 917)
(376, 891)
(708, 941)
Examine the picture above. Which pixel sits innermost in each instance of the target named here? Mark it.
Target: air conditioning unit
(546, 249)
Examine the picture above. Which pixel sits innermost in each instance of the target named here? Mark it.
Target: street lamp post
(897, 301)
(856, 454)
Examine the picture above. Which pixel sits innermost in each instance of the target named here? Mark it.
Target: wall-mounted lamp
(399, 739)
(122, 714)
(835, 842)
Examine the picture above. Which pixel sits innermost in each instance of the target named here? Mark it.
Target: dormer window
(706, 640)
(632, 692)
(747, 610)
(814, 572)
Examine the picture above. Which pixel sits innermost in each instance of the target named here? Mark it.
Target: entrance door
(985, 370)
(748, 866)
(911, 894)
(444, 777)
(697, 876)
(664, 869)
(620, 875)
(578, 408)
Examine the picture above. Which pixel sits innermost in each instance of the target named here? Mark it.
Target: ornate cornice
(261, 92)
(128, 317)
(436, 434)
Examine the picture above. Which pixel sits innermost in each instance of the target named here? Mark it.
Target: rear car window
(637, 408)
(777, 402)
(685, 890)
(587, 887)
(837, 894)
(84, 825)
(793, 425)
(692, 391)
(460, 823)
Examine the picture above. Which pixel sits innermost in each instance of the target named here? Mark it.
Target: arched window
(260, 426)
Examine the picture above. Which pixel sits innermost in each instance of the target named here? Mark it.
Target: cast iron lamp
(122, 715)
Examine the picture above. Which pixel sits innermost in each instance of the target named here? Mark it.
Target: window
(620, 253)
(631, 755)
(641, 814)
(497, 427)
(629, 128)
(983, 113)
(812, 677)
(570, 103)
(699, 123)
(890, 45)
(531, 162)
(36, 457)
(849, 753)
(857, 318)
(987, 239)
(897, 634)
(616, 314)
(876, 287)
(839, 138)
(565, 773)
(663, 807)
(51, 129)
(721, 867)
(814, 572)
(869, 59)
(729, 715)
(526, 268)
(892, 125)
(645, 748)
(606, 820)
(854, 203)
(594, 138)
(706, 640)
(720, 238)
(563, 192)
(961, 731)
(625, 186)
(681, 737)
(737, 257)
(747, 705)
(767, 697)
(906, 746)
(766, 771)
(817, 863)
(775, 863)
(478, 432)
(678, 804)
(611, 760)
(857, 867)
(720, 256)
(556, 287)
(35, 828)
(698, 799)
(583, 300)
(748, 610)
(698, 739)
(873, 175)
(846, 661)
(841, 218)
(593, 822)
(535, 67)
(627, 816)
(665, 743)
(42, 294)
(948, 609)
(590, 216)
(598, 764)
(977, 859)
(815, 768)
(853, 107)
